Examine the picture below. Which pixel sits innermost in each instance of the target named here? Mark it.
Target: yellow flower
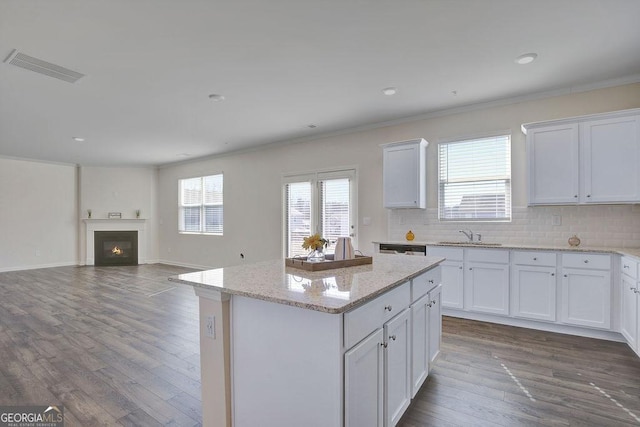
(314, 242)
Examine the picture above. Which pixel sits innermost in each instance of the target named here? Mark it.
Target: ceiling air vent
(43, 67)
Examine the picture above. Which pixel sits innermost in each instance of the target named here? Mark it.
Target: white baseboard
(38, 266)
(180, 264)
(532, 324)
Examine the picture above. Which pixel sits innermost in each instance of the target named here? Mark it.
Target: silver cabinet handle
(392, 337)
(431, 281)
(575, 196)
(388, 307)
(433, 302)
(586, 261)
(470, 268)
(588, 195)
(384, 344)
(553, 274)
(535, 259)
(460, 268)
(566, 275)
(625, 266)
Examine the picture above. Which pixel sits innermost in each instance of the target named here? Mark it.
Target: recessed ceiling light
(216, 97)
(526, 58)
(78, 139)
(184, 155)
(312, 126)
(389, 91)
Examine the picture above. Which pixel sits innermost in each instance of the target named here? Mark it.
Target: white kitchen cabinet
(584, 160)
(452, 275)
(533, 285)
(397, 367)
(404, 174)
(610, 155)
(364, 382)
(629, 313)
(630, 306)
(486, 281)
(552, 155)
(426, 335)
(586, 290)
(435, 323)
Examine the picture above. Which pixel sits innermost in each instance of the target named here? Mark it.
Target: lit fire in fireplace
(116, 251)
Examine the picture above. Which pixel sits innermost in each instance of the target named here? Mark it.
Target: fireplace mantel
(100, 224)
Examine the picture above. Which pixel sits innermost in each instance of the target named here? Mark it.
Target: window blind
(201, 205)
(475, 179)
(297, 216)
(335, 216)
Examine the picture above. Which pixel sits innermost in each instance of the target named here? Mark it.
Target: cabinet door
(533, 292)
(487, 288)
(552, 154)
(586, 297)
(610, 152)
(629, 315)
(397, 361)
(363, 383)
(435, 324)
(453, 284)
(420, 316)
(403, 176)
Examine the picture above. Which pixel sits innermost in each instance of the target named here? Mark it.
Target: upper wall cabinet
(585, 160)
(404, 174)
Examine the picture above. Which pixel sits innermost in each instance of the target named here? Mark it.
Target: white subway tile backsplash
(602, 226)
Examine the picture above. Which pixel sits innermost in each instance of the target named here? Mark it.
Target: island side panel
(287, 365)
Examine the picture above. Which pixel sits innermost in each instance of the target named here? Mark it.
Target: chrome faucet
(467, 233)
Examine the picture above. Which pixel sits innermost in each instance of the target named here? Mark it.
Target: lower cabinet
(386, 369)
(453, 282)
(364, 382)
(397, 367)
(586, 290)
(533, 292)
(426, 335)
(630, 320)
(486, 281)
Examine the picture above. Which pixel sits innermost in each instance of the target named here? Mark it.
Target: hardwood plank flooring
(495, 375)
(120, 346)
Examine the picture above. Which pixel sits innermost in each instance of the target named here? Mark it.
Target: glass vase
(316, 256)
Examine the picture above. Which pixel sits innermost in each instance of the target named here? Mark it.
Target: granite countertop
(330, 291)
(635, 252)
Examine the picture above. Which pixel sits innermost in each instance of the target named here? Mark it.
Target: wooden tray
(328, 264)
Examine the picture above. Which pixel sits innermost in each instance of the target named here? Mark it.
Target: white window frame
(508, 196)
(202, 206)
(315, 177)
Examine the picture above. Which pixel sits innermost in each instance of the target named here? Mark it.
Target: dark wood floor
(119, 346)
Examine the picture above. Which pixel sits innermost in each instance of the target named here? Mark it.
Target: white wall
(253, 223)
(38, 215)
(125, 190)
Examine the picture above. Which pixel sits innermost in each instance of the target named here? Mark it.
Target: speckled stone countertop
(635, 252)
(330, 291)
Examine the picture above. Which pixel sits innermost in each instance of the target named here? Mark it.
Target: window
(475, 179)
(322, 202)
(201, 207)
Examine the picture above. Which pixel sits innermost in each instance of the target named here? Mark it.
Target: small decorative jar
(410, 236)
(574, 241)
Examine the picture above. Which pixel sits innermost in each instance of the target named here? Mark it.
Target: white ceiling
(282, 65)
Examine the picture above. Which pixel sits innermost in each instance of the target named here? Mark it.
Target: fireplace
(116, 247)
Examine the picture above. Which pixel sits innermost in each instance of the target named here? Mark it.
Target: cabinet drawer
(498, 256)
(424, 283)
(586, 260)
(546, 259)
(629, 266)
(451, 254)
(360, 322)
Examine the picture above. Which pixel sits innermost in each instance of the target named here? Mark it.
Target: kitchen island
(286, 347)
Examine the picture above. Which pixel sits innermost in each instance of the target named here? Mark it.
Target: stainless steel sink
(471, 243)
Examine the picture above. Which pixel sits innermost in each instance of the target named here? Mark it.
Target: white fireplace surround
(93, 225)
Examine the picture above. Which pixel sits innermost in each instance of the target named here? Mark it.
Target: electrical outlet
(38, 253)
(400, 220)
(556, 219)
(210, 330)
